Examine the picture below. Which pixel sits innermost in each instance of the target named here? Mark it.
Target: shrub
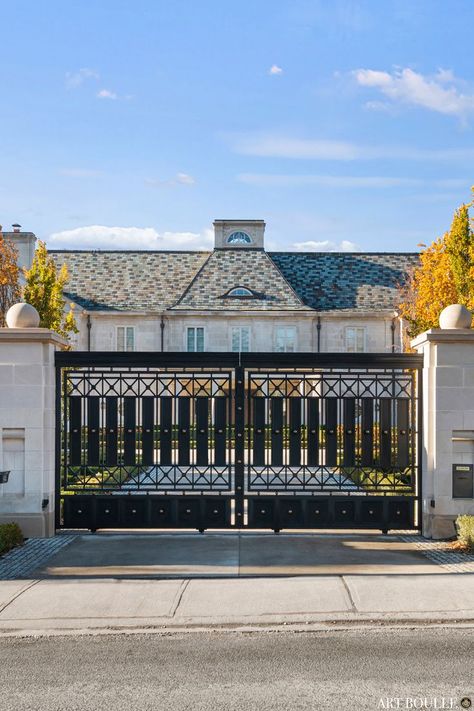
(465, 529)
(10, 537)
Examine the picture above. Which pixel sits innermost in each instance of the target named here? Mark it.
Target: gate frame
(239, 363)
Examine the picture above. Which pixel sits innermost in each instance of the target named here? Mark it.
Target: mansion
(239, 297)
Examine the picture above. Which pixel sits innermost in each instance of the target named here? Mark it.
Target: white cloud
(275, 70)
(185, 179)
(326, 246)
(346, 181)
(439, 92)
(178, 179)
(107, 94)
(273, 145)
(104, 237)
(75, 79)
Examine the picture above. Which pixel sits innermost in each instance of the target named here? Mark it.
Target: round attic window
(239, 238)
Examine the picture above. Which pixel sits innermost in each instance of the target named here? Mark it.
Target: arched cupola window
(239, 238)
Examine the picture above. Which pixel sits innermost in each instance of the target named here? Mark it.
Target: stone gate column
(27, 424)
(448, 421)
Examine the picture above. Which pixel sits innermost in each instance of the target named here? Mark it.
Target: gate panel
(225, 440)
(342, 445)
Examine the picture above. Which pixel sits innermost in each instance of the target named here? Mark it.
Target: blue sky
(345, 125)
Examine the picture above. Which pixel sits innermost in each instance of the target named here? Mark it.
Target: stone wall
(27, 428)
(448, 424)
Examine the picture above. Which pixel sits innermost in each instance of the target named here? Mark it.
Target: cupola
(239, 234)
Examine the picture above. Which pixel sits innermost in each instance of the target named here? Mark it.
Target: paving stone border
(438, 553)
(21, 562)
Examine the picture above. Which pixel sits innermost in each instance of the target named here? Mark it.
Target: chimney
(24, 243)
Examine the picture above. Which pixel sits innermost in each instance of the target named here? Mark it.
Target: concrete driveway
(231, 554)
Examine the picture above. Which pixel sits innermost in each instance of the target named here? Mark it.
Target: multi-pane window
(195, 339)
(241, 339)
(125, 338)
(285, 339)
(355, 339)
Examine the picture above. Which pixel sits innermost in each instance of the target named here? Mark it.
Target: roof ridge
(191, 282)
(347, 254)
(285, 279)
(129, 251)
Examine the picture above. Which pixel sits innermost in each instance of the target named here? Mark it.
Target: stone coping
(32, 335)
(444, 335)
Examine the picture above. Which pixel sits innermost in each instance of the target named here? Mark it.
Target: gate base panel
(115, 511)
(372, 512)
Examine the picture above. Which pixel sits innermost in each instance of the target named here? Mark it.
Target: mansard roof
(250, 268)
(128, 281)
(336, 281)
(279, 281)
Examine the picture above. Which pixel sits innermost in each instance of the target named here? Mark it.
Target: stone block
(442, 527)
(450, 376)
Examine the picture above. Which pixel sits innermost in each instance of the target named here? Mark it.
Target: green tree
(459, 245)
(9, 277)
(444, 276)
(44, 289)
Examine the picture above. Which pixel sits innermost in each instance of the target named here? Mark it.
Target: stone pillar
(27, 427)
(448, 422)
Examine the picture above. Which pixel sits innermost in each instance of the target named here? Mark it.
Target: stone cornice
(31, 335)
(441, 335)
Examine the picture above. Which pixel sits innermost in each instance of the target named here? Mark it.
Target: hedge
(465, 529)
(10, 537)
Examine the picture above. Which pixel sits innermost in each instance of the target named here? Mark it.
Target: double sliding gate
(218, 440)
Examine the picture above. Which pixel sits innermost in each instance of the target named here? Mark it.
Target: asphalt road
(340, 669)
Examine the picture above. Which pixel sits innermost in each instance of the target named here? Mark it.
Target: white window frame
(364, 338)
(295, 341)
(195, 339)
(240, 329)
(124, 327)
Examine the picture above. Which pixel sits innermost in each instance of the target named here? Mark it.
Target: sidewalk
(184, 580)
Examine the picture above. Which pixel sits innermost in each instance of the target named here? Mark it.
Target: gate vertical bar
(58, 439)
(418, 392)
(239, 447)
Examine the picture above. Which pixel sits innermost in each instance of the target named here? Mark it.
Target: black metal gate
(222, 440)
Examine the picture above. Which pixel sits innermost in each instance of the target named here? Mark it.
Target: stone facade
(381, 333)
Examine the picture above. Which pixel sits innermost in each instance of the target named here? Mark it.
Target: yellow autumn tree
(9, 277)
(445, 276)
(44, 289)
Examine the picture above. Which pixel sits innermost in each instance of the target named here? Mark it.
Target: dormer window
(239, 238)
(240, 291)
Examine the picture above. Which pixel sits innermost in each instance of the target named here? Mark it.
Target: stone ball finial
(22, 315)
(455, 316)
